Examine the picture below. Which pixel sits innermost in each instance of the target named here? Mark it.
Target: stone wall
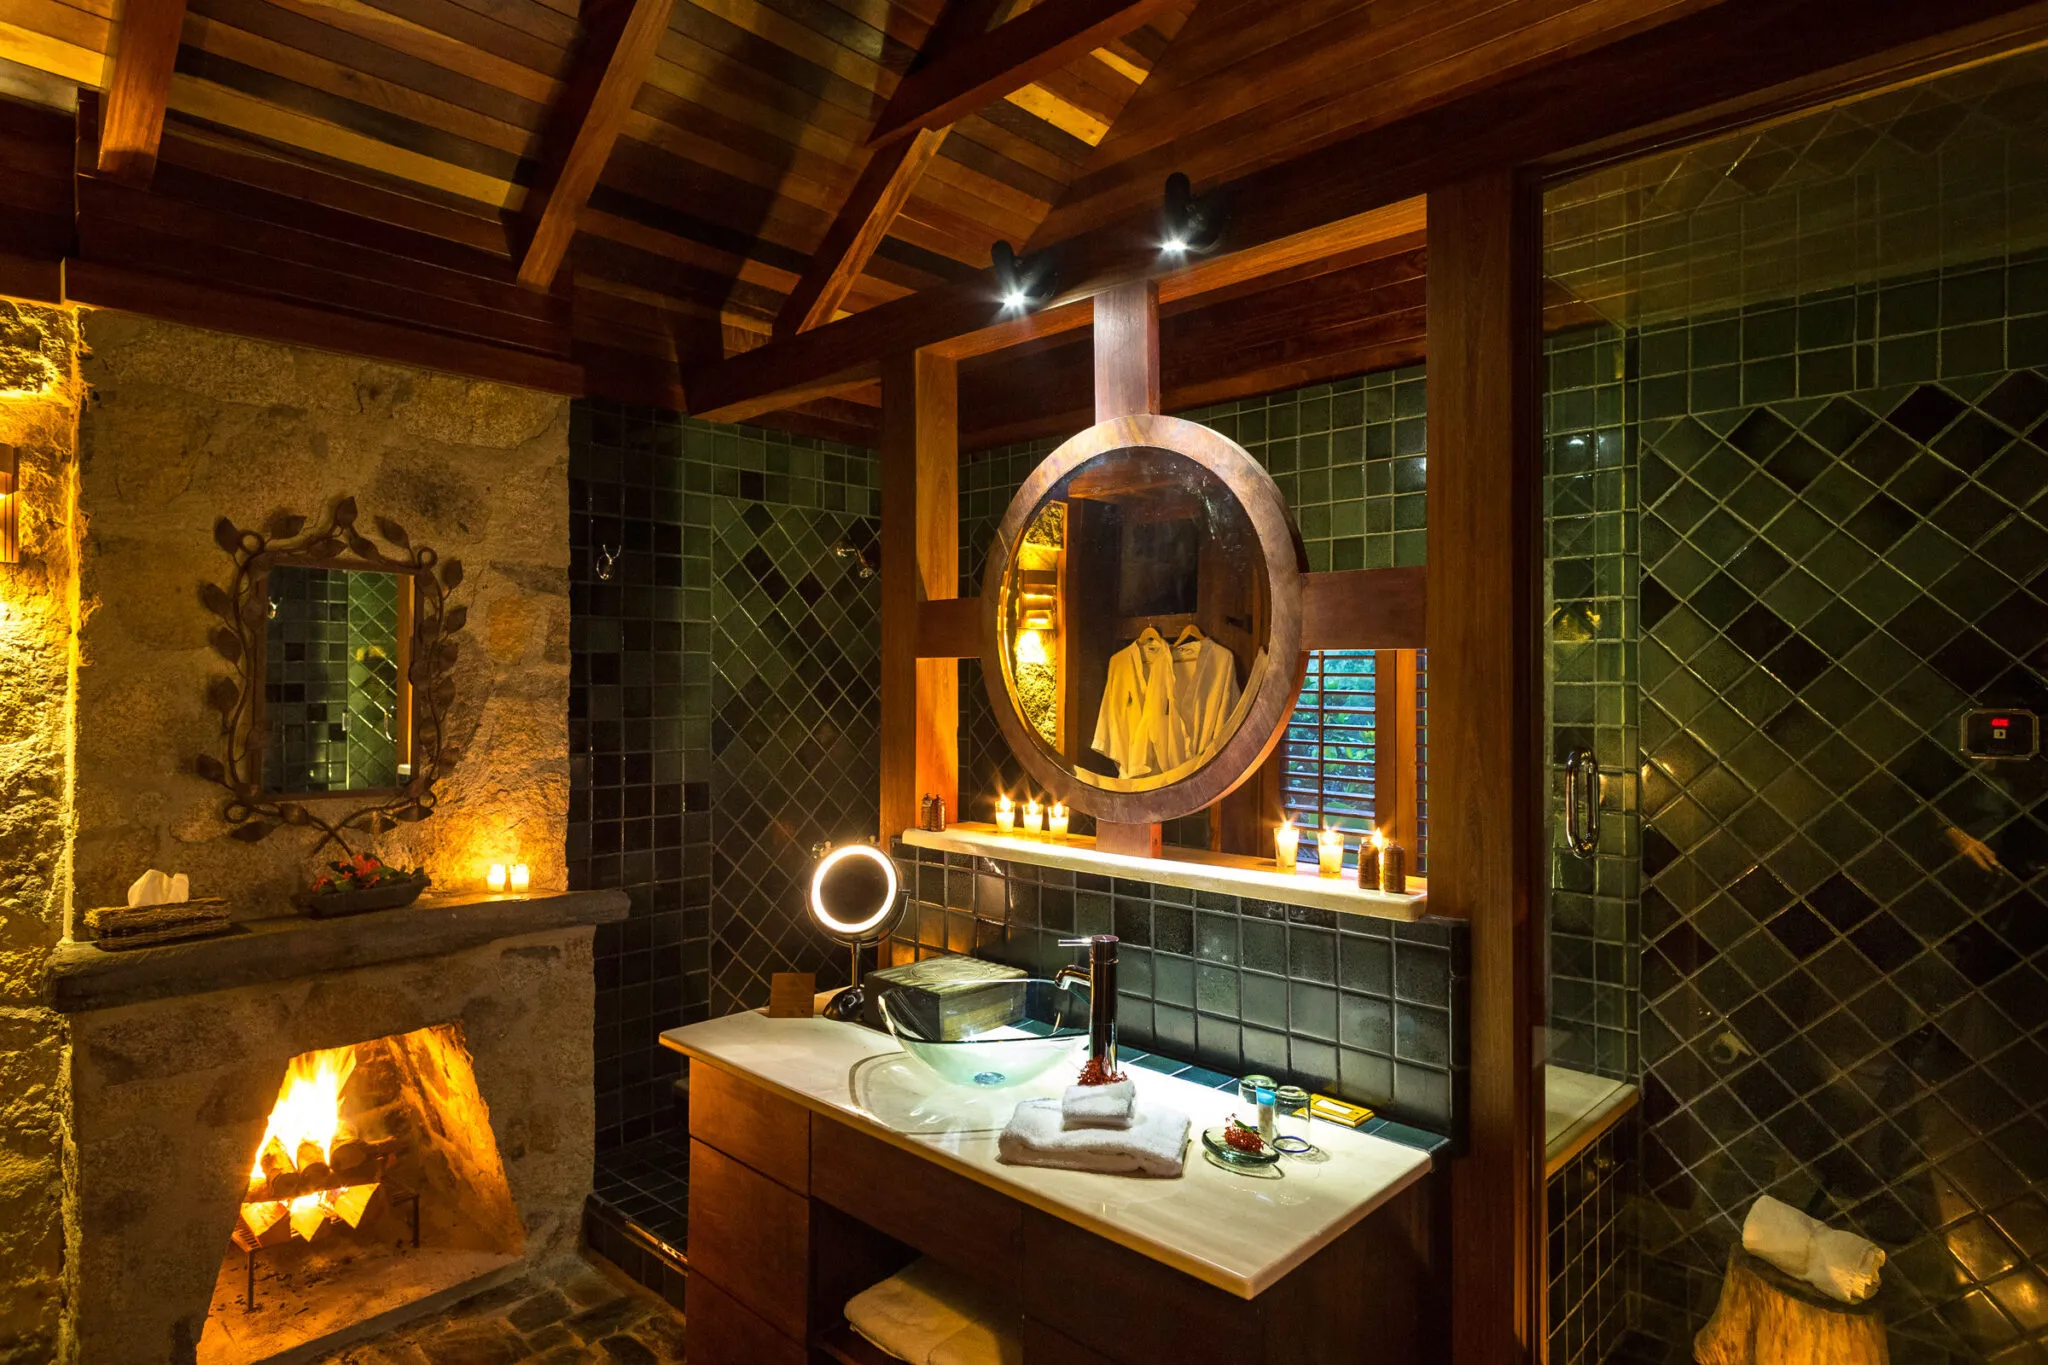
(38, 415)
(184, 426)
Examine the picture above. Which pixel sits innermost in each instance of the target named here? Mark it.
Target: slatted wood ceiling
(362, 157)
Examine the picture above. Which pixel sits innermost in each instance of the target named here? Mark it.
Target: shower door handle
(1582, 815)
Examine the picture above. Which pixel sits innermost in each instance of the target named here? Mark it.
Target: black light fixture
(1187, 223)
(1022, 282)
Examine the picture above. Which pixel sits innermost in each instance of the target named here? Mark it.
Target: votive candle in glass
(1006, 815)
(495, 878)
(1330, 851)
(1034, 817)
(521, 879)
(1286, 844)
(1056, 821)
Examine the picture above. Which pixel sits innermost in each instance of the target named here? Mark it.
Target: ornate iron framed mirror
(1142, 619)
(343, 652)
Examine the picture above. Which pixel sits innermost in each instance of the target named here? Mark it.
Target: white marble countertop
(1237, 1232)
(1578, 1108)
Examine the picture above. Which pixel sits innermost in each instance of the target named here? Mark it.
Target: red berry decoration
(1243, 1137)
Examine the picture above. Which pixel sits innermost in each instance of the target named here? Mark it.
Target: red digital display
(2001, 721)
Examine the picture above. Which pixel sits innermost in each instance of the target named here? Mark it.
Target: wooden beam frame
(1730, 51)
(145, 53)
(920, 697)
(1486, 857)
(619, 41)
(1009, 57)
(884, 187)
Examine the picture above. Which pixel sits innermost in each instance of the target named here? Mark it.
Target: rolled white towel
(1099, 1106)
(1844, 1266)
(1778, 1233)
(1155, 1143)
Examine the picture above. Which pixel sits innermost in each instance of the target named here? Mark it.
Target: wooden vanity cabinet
(793, 1212)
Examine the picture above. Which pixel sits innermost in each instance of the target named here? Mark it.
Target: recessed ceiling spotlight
(1187, 223)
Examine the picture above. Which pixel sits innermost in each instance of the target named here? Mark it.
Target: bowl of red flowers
(364, 882)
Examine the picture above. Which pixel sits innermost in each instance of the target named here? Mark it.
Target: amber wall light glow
(10, 505)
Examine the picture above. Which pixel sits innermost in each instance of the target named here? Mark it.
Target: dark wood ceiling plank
(1010, 56)
(786, 35)
(416, 40)
(885, 185)
(481, 32)
(556, 27)
(145, 54)
(583, 127)
(737, 45)
(245, 314)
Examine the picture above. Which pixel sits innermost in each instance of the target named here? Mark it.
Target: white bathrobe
(1163, 705)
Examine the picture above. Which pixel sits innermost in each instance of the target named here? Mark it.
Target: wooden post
(1484, 765)
(1127, 383)
(920, 698)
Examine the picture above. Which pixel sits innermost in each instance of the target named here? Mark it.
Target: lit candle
(1056, 821)
(495, 878)
(1034, 817)
(521, 879)
(1286, 844)
(1369, 861)
(1330, 851)
(1394, 870)
(1006, 815)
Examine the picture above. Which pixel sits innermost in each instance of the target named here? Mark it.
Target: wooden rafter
(620, 38)
(145, 51)
(882, 190)
(1007, 58)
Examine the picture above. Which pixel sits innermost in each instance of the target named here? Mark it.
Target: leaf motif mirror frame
(1285, 564)
(242, 609)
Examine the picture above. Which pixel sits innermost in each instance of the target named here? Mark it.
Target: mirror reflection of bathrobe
(1164, 704)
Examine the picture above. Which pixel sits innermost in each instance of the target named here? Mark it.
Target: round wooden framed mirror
(1141, 619)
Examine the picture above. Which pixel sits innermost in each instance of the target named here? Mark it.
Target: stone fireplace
(305, 1090)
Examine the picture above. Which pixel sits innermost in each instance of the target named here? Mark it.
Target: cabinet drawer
(718, 1330)
(751, 1238)
(914, 1200)
(751, 1124)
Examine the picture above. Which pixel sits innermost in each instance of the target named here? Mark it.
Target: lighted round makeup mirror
(1142, 619)
(856, 898)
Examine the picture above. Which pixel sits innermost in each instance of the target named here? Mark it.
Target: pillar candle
(1034, 817)
(1056, 821)
(495, 878)
(1006, 815)
(521, 878)
(1369, 861)
(1394, 870)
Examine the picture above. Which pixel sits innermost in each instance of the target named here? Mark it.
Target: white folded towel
(1841, 1265)
(930, 1315)
(159, 888)
(1154, 1144)
(1844, 1266)
(1099, 1106)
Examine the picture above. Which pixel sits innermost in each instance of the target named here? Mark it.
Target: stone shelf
(1223, 873)
(84, 976)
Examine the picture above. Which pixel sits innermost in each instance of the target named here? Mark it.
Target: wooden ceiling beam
(884, 187)
(620, 39)
(1733, 50)
(1007, 58)
(145, 52)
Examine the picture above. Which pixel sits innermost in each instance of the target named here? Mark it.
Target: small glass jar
(1290, 1120)
(1260, 1092)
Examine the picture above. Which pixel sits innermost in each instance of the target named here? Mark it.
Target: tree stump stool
(1765, 1317)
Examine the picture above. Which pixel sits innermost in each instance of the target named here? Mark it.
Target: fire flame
(309, 1107)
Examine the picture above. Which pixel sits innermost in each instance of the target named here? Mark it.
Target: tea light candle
(1394, 870)
(1006, 815)
(520, 877)
(1369, 861)
(495, 878)
(1330, 851)
(1286, 844)
(1034, 817)
(1056, 821)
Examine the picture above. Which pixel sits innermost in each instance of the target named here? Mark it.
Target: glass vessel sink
(1006, 1034)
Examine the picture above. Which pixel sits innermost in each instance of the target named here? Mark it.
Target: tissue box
(947, 998)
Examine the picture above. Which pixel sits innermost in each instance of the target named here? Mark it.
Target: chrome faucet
(1101, 978)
